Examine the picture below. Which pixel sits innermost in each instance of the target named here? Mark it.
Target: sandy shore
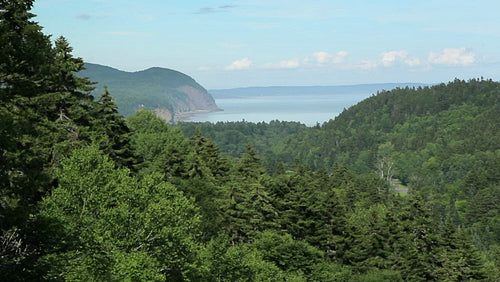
(186, 116)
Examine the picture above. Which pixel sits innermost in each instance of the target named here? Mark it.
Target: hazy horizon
(230, 44)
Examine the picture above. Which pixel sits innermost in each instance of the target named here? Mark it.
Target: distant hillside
(461, 116)
(168, 92)
(445, 130)
(300, 90)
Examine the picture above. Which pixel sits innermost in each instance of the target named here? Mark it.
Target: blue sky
(229, 43)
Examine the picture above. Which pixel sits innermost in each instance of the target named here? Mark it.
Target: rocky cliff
(170, 93)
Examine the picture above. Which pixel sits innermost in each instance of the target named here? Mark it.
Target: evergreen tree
(205, 174)
(369, 239)
(458, 259)
(250, 166)
(46, 112)
(209, 154)
(247, 207)
(111, 132)
(25, 52)
(416, 242)
(25, 55)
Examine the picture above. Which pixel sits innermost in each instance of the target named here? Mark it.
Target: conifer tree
(111, 131)
(250, 166)
(25, 52)
(458, 259)
(209, 154)
(247, 207)
(416, 246)
(25, 55)
(45, 109)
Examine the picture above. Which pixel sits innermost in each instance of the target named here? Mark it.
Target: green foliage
(88, 195)
(44, 110)
(289, 255)
(122, 223)
(369, 239)
(232, 137)
(111, 132)
(161, 148)
(247, 205)
(379, 275)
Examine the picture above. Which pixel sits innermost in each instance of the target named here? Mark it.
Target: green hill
(442, 142)
(446, 131)
(86, 194)
(166, 91)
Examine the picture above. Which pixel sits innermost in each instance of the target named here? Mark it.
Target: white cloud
(391, 57)
(242, 64)
(287, 64)
(452, 56)
(323, 57)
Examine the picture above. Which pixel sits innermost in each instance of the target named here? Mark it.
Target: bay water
(308, 109)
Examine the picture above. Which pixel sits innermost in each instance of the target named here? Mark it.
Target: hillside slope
(441, 142)
(166, 91)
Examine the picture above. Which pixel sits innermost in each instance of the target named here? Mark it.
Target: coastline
(186, 116)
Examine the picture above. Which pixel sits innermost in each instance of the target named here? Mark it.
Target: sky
(241, 43)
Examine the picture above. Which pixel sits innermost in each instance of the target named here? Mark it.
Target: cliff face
(198, 99)
(170, 93)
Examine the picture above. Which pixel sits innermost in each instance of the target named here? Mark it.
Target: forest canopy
(403, 186)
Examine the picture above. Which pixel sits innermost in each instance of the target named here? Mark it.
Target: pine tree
(209, 154)
(111, 132)
(458, 259)
(63, 110)
(24, 57)
(247, 207)
(416, 242)
(250, 166)
(25, 52)
(369, 239)
(45, 110)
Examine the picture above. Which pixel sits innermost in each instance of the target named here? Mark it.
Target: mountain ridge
(168, 92)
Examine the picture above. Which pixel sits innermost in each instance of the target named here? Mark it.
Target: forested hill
(166, 91)
(441, 134)
(440, 142)
(88, 195)
(459, 117)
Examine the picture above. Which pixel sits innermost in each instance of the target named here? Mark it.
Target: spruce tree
(416, 246)
(44, 109)
(458, 259)
(209, 154)
(111, 132)
(247, 207)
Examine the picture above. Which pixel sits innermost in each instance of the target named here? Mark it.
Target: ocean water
(308, 109)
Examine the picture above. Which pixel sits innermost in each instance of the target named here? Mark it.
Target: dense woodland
(87, 194)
